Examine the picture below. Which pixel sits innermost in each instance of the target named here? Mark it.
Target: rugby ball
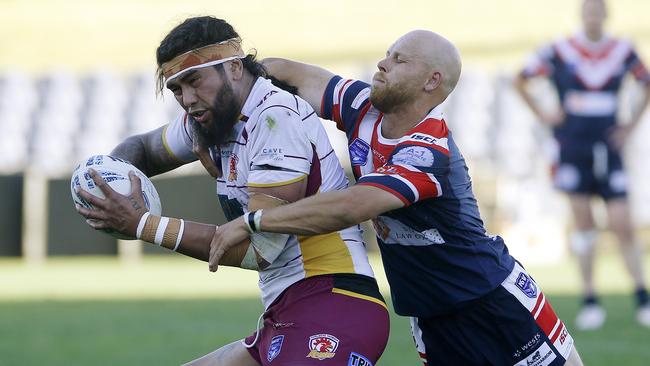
(116, 173)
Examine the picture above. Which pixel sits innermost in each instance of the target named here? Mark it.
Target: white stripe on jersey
(360, 98)
(401, 179)
(594, 74)
(432, 177)
(340, 89)
(364, 133)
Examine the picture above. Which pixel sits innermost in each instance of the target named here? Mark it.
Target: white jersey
(277, 141)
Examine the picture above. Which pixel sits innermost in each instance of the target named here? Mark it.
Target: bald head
(419, 71)
(437, 53)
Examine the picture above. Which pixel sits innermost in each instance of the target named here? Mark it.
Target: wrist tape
(164, 231)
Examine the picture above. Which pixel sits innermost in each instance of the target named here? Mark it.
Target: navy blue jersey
(588, 76)
(435, 250)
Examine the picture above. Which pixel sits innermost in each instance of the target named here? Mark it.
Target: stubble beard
(389, 98)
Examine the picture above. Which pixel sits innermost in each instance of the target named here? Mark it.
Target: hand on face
(117, 212)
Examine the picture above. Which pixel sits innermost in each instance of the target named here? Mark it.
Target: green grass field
(167, 310)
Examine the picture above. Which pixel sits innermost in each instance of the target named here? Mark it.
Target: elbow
(353, 209)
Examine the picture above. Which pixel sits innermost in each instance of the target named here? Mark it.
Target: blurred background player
(322, 303)
(587, 69)
(469, 301)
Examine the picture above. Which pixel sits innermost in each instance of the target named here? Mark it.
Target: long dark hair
(201, 31)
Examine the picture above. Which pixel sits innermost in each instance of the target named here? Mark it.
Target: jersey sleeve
(636, 67)
(345, 101)
(177, 139)
(280, 152)
(417, 168)
(539, 63)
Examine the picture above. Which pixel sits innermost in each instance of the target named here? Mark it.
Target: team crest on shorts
(275, 347)
(322, 346)
(358, 360)
(358, 152)
(526, 285)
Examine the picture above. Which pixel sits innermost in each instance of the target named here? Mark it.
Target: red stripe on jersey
(422, 181)
(547, 318)
(540, 298)
(363, 112)
(387, 189)
(593, 55)
(423, 358)
(314, 180)
(339, 99)
(336, 115)
(558, 331)
(433, 127)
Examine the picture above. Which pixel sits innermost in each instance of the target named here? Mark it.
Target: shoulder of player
(429, 133)
(277, 103)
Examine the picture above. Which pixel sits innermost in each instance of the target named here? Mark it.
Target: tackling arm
(319, 214)
(330, 211)
(310, 80)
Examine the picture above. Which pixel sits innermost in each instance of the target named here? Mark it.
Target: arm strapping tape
(164, 231)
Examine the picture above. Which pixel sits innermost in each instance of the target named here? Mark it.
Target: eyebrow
(181, 79)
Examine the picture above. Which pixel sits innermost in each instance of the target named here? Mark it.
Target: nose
(189, 97)
(382, 64)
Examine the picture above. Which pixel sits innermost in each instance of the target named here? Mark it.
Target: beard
(388, 97)
(225, 113)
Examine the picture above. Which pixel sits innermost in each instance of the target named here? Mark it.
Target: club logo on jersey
(232, 176)
(526, 285)
(543, 356)
(414, 156)
(322, 346)
(358, 360)
(359, 152)
(275, 347)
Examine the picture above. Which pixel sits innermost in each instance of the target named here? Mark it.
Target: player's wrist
(253, 221)
(164, 231)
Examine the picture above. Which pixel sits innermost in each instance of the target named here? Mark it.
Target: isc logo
(423, 137)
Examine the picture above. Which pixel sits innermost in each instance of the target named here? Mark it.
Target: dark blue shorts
(512, 325)
(595, 169)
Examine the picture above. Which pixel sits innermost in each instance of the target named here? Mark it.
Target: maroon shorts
(324, 320)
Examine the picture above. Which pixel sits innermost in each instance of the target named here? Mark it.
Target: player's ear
(236, 69)
(433, 82)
